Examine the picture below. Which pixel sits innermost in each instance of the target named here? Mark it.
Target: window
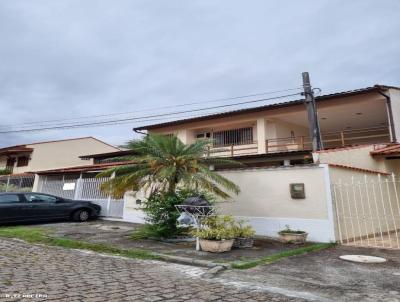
(240, 136)
(32, 197)
(10, 163)
(203, 135)
(9, 198)
(22, 161)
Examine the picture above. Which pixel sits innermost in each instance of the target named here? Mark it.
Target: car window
(31, 197)
(9, 198)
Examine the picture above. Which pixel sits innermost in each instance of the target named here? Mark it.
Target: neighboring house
(51, 155)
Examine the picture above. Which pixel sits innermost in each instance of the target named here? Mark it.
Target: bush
(243, 230)
(217, 228)
(161, 215)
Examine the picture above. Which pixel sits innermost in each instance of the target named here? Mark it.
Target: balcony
(330, 140)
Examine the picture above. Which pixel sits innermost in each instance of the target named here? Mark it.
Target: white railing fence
(368, 211)
(84, 189)
(16, 183)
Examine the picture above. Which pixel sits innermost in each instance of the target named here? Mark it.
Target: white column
(261, 135)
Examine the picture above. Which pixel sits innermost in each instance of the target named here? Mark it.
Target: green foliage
(243, 230)
(38, 235)
(217, 228)
(288, 230)
(5, 171)
(273, 258)
(161, 214)
(163, 163)
(12, 188)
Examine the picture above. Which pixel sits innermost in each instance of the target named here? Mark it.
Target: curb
(190, 261)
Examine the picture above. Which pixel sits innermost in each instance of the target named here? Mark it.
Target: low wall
(265, 201)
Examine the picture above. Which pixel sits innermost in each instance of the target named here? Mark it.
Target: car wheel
(81, 215)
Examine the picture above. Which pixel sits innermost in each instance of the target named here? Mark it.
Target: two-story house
(285, 183)
(278, 134)
(51, 154)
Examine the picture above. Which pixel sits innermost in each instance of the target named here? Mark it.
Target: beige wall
(3, 162)
(265, 193)
(358, 157)
(59, 154)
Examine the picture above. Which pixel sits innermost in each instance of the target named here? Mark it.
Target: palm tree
(163, 163)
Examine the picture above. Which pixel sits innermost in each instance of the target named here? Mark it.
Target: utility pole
(313, 123)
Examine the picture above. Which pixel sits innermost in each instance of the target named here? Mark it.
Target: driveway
(41, 273)
(322, 274)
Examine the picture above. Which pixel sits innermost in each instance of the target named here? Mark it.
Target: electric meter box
(297, 191)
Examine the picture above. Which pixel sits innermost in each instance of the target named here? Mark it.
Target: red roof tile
(86, 168)
(392, 149)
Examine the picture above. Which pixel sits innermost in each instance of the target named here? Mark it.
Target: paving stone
(70, 275)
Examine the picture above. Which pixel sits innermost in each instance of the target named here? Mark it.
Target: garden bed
(118, 234)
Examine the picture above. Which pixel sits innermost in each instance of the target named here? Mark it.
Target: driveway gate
(84, 189)
(368, 211)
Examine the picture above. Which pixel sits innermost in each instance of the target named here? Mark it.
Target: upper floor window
(22, 161)
(239, 136)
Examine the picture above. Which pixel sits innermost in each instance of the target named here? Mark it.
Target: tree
(164, 163)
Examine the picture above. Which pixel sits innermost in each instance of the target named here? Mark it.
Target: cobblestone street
(40, 273)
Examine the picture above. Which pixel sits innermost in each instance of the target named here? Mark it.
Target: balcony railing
(233, 150)
(330, 140)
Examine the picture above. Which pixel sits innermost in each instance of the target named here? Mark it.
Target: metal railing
(232, 150)
(368, 211)
(330, 139)
(16, 183)
(84, 189)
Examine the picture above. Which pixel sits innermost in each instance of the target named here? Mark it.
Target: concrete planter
(242, 242)
(216, 246)
(293, 237)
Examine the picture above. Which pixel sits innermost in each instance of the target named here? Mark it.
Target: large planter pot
(216, 246)
(293, 237)
(242, 242)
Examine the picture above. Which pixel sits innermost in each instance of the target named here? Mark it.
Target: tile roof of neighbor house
(87, 168)
(107, 154)
(375, 88)
(388, 150)
(23, 147)
(15, 150)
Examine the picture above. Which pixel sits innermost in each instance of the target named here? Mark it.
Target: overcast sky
(65, 58)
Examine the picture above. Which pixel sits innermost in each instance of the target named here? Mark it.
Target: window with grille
(22, 161)
(240, 136)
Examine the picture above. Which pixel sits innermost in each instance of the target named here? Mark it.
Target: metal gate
(16, 183)
(84, 189)
(368, 211)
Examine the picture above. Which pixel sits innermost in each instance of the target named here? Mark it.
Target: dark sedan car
(20, 207)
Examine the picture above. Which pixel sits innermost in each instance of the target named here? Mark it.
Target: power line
(152, 109)
(145, 117)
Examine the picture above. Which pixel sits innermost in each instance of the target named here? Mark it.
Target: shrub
(243, 230)
(5, 171)
(288, 230)
(161, 214)
(216, 228)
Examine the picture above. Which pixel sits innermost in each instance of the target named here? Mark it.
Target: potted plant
(216, 234)
(292, 236)
(244, 235)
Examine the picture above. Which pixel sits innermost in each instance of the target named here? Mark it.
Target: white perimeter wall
(266, 202)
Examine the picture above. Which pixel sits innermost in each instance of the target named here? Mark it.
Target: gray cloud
(70, 58)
